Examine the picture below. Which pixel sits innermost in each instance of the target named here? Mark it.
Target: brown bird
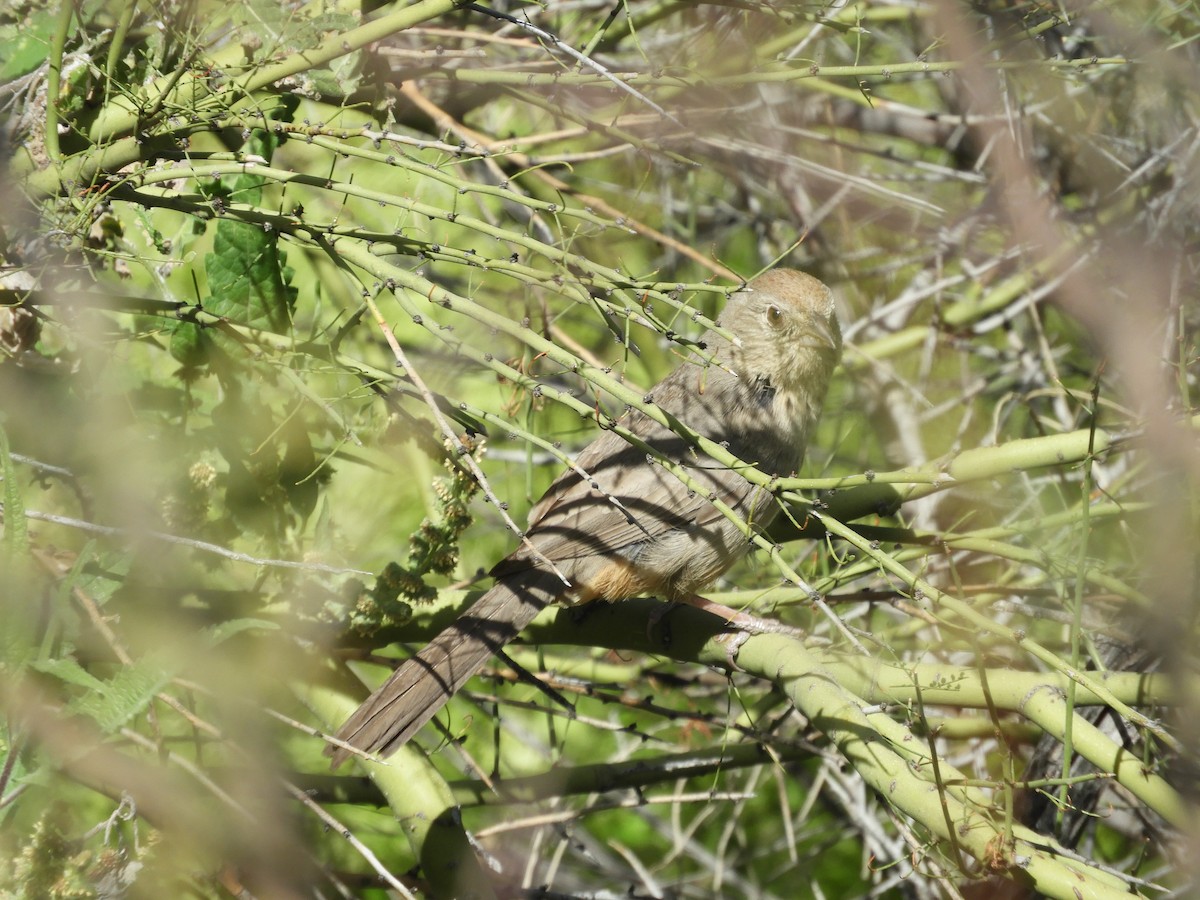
(632, 527)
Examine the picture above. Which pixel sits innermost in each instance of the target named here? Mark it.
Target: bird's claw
(733, 641)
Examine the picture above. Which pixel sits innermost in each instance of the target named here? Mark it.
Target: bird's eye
(774, 316)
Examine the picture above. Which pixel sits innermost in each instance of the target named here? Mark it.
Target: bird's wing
(627, 498)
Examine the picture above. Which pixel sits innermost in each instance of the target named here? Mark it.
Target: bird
(615, 526)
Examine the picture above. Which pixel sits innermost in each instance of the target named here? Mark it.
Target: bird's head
(785, 332)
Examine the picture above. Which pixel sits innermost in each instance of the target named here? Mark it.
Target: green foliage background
(271, 272)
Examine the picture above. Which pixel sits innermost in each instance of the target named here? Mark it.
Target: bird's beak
(819, 329)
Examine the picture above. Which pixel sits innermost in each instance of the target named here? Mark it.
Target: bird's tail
(423, 684)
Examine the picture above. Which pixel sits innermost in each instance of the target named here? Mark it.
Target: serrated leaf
(190, 344)
(69, 672)
(24, 47)
(22, 624)
(245, 278)
(245, 269)
(218, 634)
(18, 642)
(106, 575)
(125, 695)
(16, 533)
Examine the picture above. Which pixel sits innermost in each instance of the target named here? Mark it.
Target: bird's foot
(743, 626)
(733, 640)
(742, 621)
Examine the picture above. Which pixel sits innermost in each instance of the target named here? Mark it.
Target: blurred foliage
(269, 272)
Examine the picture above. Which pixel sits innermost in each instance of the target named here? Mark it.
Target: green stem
(111, 148)
(1081, 569)
(128, 8)
(976, 464)
(122, 116)
(420, 800)
(974, 619)
(58, 43)
(892, 761)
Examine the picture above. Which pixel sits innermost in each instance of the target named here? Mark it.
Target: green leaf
(104, 575)
(124, 696)
(246, 268)
(69, 672)
(16, 530)
(190, 344)
(21, 618)
(24, 47)
(218, 634)
(245, 277)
